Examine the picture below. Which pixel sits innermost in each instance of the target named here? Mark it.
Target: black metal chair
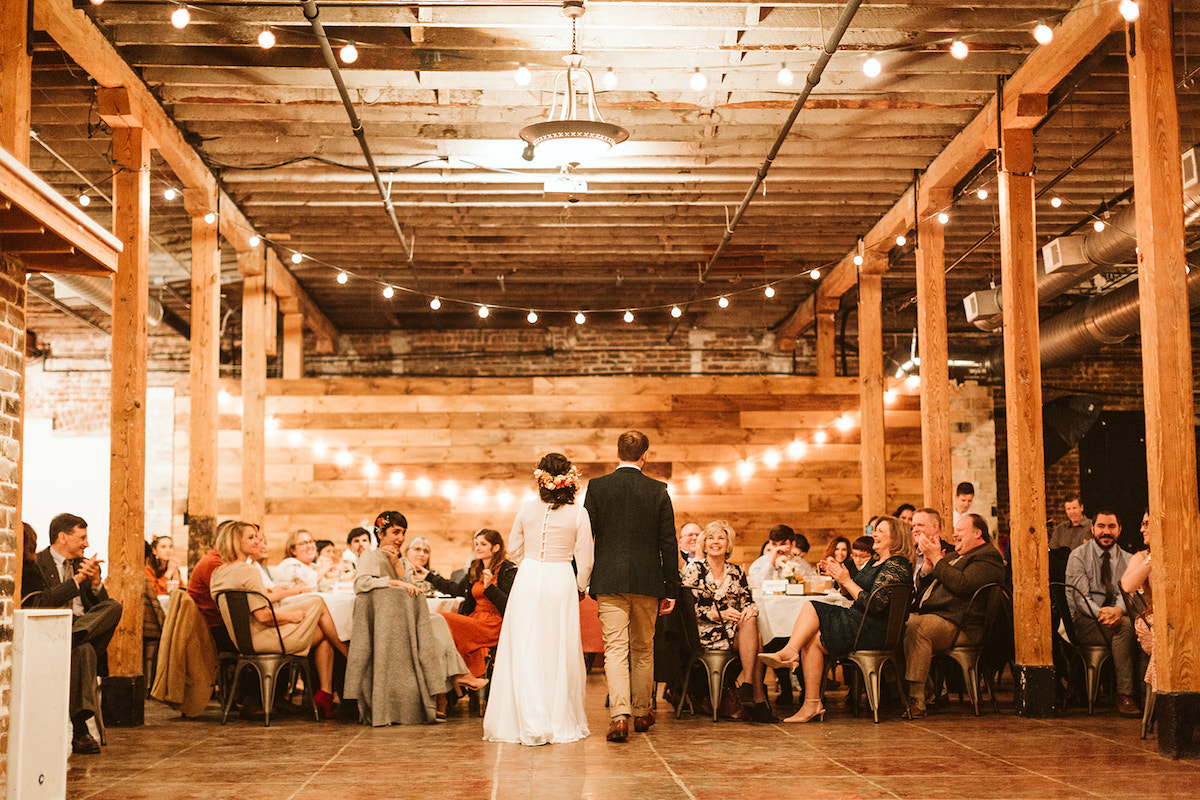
(1136, 606)
(870, 663)
(716, 663)
(1090, 657)
(268, 665)
(992, 597)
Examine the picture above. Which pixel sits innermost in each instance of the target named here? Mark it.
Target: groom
(635, 578)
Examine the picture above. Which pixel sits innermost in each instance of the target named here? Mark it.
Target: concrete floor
(950, 754)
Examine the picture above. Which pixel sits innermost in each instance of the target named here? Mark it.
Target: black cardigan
(496, 592)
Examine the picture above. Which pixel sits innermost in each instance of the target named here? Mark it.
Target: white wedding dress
(536, 692)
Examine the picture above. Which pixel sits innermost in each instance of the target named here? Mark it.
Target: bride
(538, 679)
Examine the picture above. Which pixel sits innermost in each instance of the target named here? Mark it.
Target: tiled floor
(951, 754)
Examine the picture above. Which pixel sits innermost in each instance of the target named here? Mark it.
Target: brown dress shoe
(915, 711)
(1126, 706)
(618, 729)
(643, 723)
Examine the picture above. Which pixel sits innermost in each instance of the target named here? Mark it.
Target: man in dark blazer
(68, 580)
(943, 599)
(635, 578)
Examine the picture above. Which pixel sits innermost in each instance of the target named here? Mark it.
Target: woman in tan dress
(304, 624)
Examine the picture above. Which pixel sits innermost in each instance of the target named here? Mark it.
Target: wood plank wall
(488, 433)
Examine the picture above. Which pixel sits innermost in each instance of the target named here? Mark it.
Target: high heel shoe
(463, 682)
(324, 701)
(800, 716)
(773, 661)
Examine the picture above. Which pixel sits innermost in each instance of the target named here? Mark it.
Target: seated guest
(304, 624)
(161, 565)
(688, 535)
(300, 565)
(476, 625)
(777, 550)
(726, 613)
(905, 512)
(862, 551)
(939, 621)
(1095, 569)
(838, 549)
(385, 567)
(824, 629)
(419, 553)
(68, 580)
(358, 541)
(331, 565)
(1137, 579)
(927, 523)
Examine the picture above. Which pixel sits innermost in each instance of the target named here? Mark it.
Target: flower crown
(569, 479)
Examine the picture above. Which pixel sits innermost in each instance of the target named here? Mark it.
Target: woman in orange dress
(476, 626)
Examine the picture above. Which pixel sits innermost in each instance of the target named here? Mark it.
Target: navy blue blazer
(633, 524)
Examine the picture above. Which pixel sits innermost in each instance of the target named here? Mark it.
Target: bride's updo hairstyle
(557, 479)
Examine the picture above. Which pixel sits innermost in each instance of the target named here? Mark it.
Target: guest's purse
(731, 705)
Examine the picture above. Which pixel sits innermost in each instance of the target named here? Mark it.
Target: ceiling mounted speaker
(1065, 421)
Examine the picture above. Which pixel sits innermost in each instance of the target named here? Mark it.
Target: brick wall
(12, 354)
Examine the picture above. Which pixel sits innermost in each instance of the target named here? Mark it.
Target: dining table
(777, 613)
(341, 608)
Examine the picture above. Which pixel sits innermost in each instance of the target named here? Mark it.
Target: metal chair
(870, 663)
(715, 662)
(1136, 606)
(967, 656)
(1091, 657)
(268, 665)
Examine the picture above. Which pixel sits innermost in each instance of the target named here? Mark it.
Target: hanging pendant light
(564, 138)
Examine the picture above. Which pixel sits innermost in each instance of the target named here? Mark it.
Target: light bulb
(255, 241)
(692, 484)
(610, 79)
(889, 397)
(959, 49)
(771, 459)
(266, 39)
(785, 76)
(97, 2)
(483, 312)
(342, 278)
(943, 217)
(820, 437)
(170, 194)
(912, 381)
(982, 194)
(858, 260)
(1129, 10)
(435, 303)
(84, 200)
(723, 302)
(628, 317)
(1055, 201)
(180, 17)
(348, 53)
(901, 240)
(389, 292)
(370, 469)
(815, 274)
(580, 318)
(297, 258)
(522, 76)
(720, 476)
(1098, 225)
(844, 423)
(396, 477)
(872, 67)
(319, 448)
(769, 291)
(796, 449)
(699, 81)
(210, 218)
(1043, 33)
(676, 312)
(271, 423)
(532, 317)
(344, 459)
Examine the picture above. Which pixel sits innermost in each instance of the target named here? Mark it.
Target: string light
(982, 194)
(255, 240)
(796, 449)
(344, 459)
(872, 67)
(180, 17)
(959, 49)
(628, 316)
(858, 260)
(424, 486)
(522, 76)
(889, 397)
(170, 194)
(531, 317)
(84, 200)
(820, 437)
(1055, 201)
(348, 54)
(342, 277)
(580, 318)
(319, 448)
(943, 217)
(210, 218)
(370, 469)
(1129, 10)
(676, 312)
(396, 478)
(771, 459)
(294, 439)
(769, 292)
(435, 303)
(723, 302)
(610, 79)
(484, 311)
(912, 381)
(449, 489)
(784, 76)
(699, 81)
(720, 476)
(815, 274)
(266, 39)
(1043, 33)
(1098, 225)
(745, 469)
(504, 498)
(389, 292)
(901, 240)
(297, 258)
(844, 423)
(693, 484)
(271, 423)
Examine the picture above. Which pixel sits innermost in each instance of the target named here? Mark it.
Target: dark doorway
(1112, 471)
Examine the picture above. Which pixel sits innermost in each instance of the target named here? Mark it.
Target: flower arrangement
(791, 571)
(549, 482)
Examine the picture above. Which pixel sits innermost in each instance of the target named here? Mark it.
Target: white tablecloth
(777, 613)
(341, 608)
(444, 605)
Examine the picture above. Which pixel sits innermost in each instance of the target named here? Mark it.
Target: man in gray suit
(635, 578)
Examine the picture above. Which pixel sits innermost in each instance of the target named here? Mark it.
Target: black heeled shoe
(761, 712)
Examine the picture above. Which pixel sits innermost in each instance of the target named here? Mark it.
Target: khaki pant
(627, 622)
(924, 635)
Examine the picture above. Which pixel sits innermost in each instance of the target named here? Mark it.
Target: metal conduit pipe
(99, 293)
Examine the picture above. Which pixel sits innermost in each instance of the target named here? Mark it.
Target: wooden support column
(254, 386)
(127, 467)
(871, 379)
(1167, 376)
(293, 344)
(16, 66)
(205, 373)
(1023, 408)
(932, 348)
(826, 315)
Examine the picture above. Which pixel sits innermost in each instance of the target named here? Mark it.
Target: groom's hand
(665, 607)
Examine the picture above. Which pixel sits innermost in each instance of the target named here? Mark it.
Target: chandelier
(565, 139)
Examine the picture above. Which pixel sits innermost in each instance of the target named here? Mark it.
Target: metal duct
(99, 293)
